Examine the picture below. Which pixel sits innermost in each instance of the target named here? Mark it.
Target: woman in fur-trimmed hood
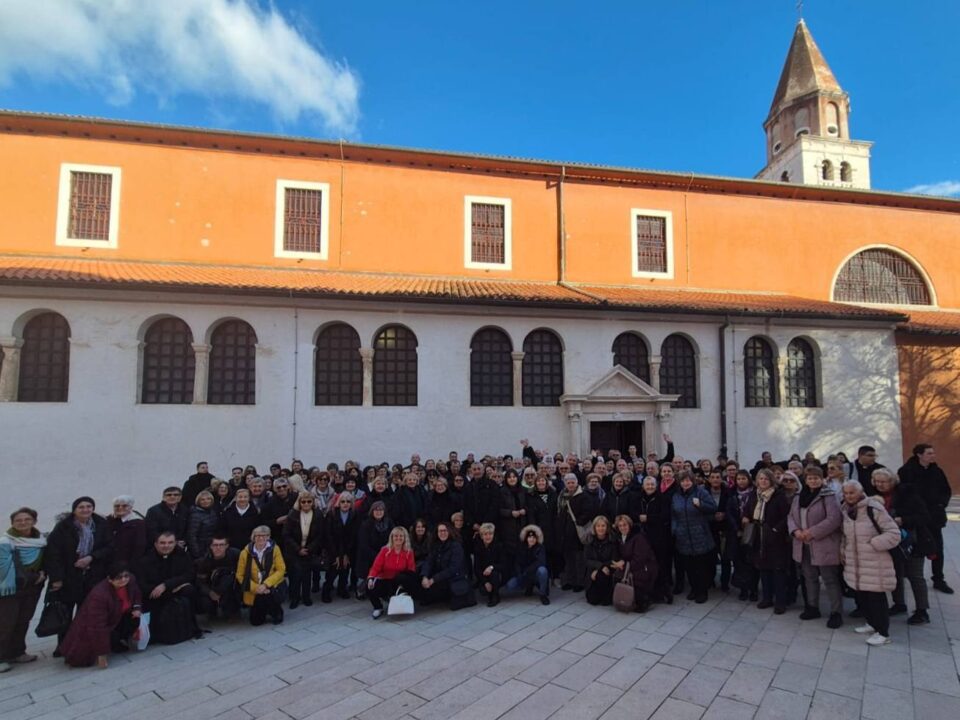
(530, 565)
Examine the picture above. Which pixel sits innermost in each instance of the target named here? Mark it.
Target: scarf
(85, 543)
(29, 555)
(306, 518)
(563, 502)
(763, 497)
(383, 525)
(664, 486)
(807, 496)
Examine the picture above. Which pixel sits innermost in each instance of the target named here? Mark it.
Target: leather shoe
(294, 604)
(897, 609)
(763, 605)
(942, 586)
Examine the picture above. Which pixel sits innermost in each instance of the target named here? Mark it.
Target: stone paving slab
(720, 660)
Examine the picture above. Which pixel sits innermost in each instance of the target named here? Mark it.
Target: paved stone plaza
(523, 661)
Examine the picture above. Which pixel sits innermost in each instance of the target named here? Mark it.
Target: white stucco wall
(103, 442)
(803, 161)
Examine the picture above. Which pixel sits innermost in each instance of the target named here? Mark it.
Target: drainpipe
(723, 385)
(562, 244)
(296, 373)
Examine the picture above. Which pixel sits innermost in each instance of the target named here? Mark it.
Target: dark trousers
(438, 592)
(264, 605)
(937, 563)
(773, 584)
(873, 605)
(910, 569)
(121, 634)
(600, 590)
(300, 575)
(15, 613)
(341, 575)
(384, 589)
(699, 570)
(494, 579)
(224, 584)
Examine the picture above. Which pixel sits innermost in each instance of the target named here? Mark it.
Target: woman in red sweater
(393, 568)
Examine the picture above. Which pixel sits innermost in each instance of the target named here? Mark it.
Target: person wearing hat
(530, 565)
(79, 550)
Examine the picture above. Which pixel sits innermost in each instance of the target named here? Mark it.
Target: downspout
(723, 386)
(342, 192)
(296, 374)
(562, 244)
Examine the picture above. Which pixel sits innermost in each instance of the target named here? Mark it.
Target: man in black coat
(200, 480)
(922, 473)
(166, 577)
(862, 468)
(168, 516)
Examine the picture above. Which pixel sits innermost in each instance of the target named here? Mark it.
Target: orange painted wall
(392, 218)
(930, 398)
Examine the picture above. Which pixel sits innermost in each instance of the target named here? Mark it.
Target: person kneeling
(166, 577)
(216, 580)
(392, 569)
(530, 567)
(636, 552)
(444, 572)
(488, 563)
(260, 573)
(109, 618)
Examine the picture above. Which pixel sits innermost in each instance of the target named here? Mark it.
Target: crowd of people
(447, 531)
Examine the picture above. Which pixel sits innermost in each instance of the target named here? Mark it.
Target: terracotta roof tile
(77, 272)
(944, 322)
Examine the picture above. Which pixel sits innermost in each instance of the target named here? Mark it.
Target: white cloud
(217, 49)
(947, 188)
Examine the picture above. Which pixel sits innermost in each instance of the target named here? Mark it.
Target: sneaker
(544, 600)
(864, 629)
(376, 614)
(897, 609)
(942, 586)
(810, 613)
(920, 617)
(878, 639)
(835, 621)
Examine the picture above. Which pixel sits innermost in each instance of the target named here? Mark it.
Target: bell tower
(808, 128)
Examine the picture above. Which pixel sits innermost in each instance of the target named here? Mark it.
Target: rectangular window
(487, 233)
(302, 220)
(88, 206)
(652, 243)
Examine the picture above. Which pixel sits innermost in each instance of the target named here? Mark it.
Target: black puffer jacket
(201, 527)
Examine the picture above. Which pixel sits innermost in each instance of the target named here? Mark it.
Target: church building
(173, 294)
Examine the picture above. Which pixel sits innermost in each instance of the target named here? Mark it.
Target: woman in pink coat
(869, 534)
(814, 525)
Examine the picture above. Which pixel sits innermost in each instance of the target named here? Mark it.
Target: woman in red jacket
(393, 568)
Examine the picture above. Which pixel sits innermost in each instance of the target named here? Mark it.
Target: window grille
(651, 244)
(233, 365)
(487, 233)
(678, 371)
(89, 206)
(630, 350)
(45, 359)
(395, 367)
(801, 379)
(491, 368)
(760, 374)
(302, 220)
(542, 369)
(882, 276)
(168, 363)
(338, 368)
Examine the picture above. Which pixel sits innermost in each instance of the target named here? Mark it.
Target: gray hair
(346, 496)
(488, 527)
(570, 476)
(123, 500)
(886, 474)
(853, 484)
(260, 530)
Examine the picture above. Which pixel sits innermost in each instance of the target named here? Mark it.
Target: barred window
(801, 379)
(302, 219)
(491, 368)
(338, 367)
(881, 276)
(395, 367)
(45, 359)
(168, 363)
(542, 369)
(760, 373)
(233, 365)
(90, 194)
(487, 229)
(630, 351)
(678, 371)
(651, 240)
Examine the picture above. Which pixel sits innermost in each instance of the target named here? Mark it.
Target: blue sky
(678, 86)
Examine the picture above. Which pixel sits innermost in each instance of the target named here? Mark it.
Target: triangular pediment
(621, 383)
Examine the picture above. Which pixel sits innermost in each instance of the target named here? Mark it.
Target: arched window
(826, 170)
(395, 367)
(833, 120)
(801, 379)
(801, 122)
(168, 363)
(760, 373)
(45, 359)
(678, 371)
(846, 172)
(491, 368)
(338, 367)
(233, 364)
(542, 369)
(630, 350)
(879, 275)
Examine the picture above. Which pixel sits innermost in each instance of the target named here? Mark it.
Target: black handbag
(54, 618)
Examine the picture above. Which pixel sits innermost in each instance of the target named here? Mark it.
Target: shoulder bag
(624, 595)
(584, 532)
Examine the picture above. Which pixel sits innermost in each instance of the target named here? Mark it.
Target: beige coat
(867, 565)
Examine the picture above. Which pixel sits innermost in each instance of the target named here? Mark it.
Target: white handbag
(400, 604)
